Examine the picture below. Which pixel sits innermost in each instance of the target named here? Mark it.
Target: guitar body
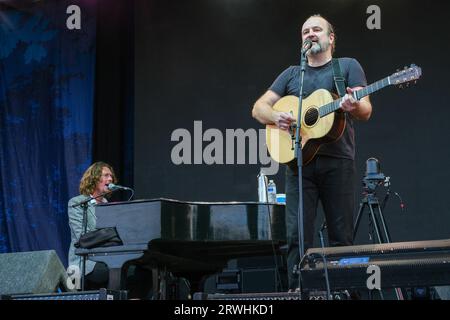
(315, 130)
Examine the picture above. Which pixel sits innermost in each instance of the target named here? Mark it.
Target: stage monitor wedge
(31, 273)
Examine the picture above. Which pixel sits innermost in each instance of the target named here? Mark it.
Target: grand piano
(186, 237)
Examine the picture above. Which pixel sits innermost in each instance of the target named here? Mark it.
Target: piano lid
(141, 221)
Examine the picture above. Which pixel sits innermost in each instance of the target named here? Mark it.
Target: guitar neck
(358, 95)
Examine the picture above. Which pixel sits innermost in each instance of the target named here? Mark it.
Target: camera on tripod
(374, 177)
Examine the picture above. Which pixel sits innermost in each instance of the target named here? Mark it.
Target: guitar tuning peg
(415, 81)
(400, 86)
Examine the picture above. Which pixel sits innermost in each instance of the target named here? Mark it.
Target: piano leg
(167, 286)
(155, 283)
(161, 281)
(115, 282)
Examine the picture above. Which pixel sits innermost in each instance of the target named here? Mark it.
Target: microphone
(307, 44)
(114, 187)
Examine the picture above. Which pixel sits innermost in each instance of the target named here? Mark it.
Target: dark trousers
(138, 280)
(98, 277)
(332, 181)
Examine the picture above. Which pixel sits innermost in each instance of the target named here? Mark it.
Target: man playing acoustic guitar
(330, 174)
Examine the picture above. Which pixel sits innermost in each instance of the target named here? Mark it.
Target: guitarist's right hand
(283, 120)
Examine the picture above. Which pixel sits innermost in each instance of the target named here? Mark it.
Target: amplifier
(401, 264)
(312, 295)
(101, 294)
(242, 281)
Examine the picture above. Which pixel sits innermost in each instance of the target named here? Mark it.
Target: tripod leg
(376, 226)
(358, 218)
(398, 291)
(384, 226)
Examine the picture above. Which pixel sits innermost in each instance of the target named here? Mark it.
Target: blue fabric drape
(46, 121)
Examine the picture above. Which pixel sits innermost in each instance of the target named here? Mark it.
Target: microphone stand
(84, 205)
(298, 154)
(324, 259)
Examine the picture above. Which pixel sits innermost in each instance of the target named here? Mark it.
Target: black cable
(132, 194)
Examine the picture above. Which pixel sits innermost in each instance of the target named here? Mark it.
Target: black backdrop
(209, 60)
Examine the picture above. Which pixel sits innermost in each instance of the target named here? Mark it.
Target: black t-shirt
(287, 83)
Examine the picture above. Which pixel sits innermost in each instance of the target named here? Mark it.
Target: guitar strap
(339, 80)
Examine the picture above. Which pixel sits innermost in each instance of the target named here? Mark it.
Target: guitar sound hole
(311, 116)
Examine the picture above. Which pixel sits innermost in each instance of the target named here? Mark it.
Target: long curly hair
(92, 176)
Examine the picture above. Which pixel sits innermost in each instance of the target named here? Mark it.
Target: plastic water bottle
(262, 187)
(272, 192)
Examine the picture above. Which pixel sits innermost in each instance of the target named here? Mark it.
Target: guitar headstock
(406, 76)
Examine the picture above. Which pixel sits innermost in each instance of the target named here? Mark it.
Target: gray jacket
(76, 226)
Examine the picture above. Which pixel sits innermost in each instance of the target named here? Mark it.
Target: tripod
(371, 201)
(376, 215)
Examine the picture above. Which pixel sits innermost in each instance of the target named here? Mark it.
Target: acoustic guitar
(322, 120)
